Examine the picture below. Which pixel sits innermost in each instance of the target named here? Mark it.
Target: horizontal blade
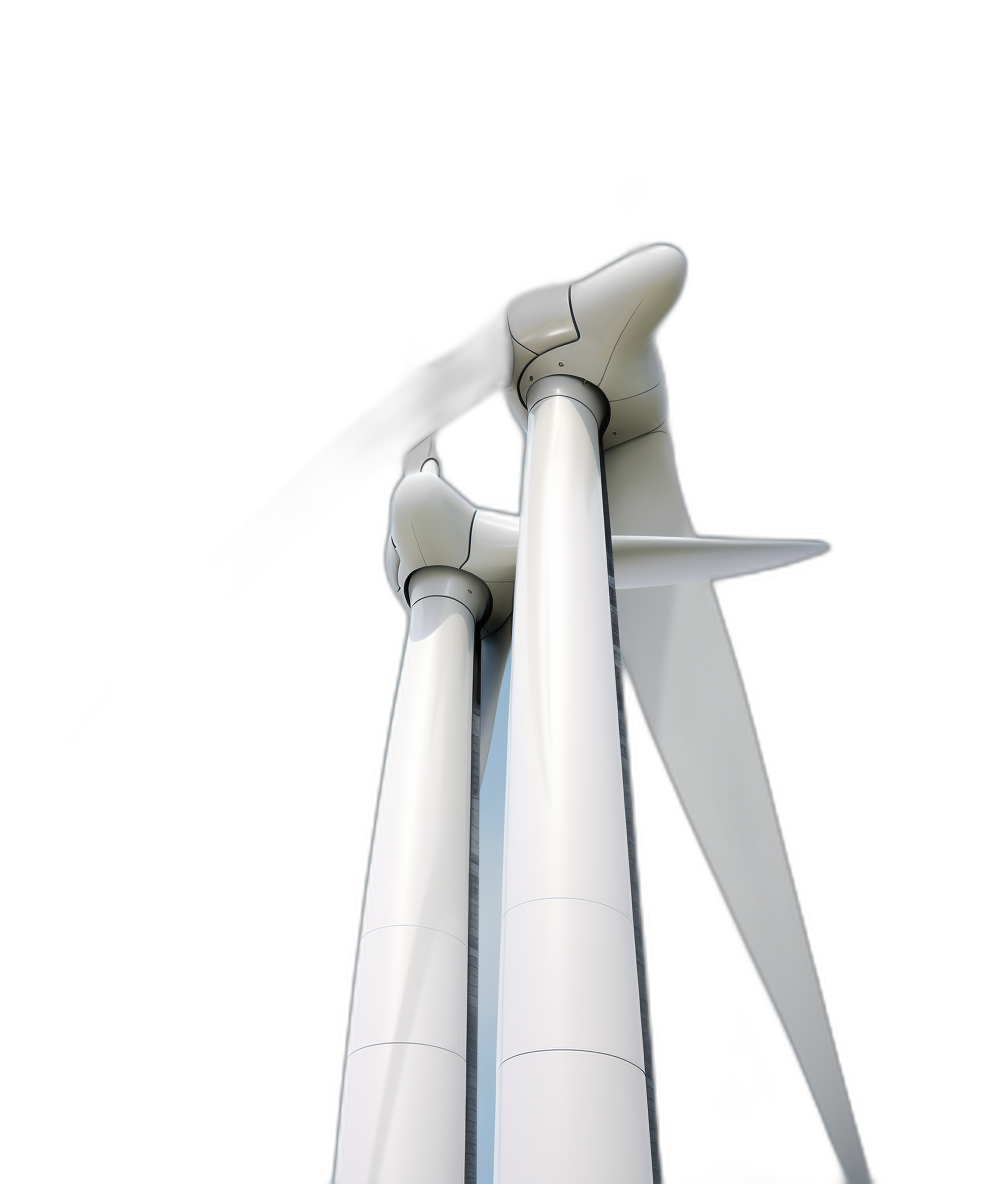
(431, 397)
(651, 561)
(677, 651)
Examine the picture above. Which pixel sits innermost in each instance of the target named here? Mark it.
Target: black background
(228, 306)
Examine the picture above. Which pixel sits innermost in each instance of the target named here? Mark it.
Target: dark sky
(219, 759)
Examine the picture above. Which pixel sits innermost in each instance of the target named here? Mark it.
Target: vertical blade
(678, 653)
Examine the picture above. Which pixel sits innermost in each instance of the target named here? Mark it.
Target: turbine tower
(602, 571)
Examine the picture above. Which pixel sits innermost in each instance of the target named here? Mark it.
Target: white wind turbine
(603, 526)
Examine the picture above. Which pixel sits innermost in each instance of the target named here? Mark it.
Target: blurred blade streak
(431, 397)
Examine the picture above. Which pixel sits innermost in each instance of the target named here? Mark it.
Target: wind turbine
(602, 570)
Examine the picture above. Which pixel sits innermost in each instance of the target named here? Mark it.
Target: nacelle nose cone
(631, 295)
(664, 262)
(663, 274)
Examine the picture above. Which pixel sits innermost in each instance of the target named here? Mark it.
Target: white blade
(677, 650)
(651, 561)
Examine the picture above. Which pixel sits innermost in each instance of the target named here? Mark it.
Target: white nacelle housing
(600, 329)
(432, 525)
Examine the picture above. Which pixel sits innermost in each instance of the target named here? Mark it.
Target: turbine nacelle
(600, 329)
(432, 525)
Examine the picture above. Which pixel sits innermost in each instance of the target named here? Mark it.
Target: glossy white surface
(493, 546)
(568, 970)
(392, 572)
(643, 488)
(680, 658)
(636, 415)
(653, 561)
(522, 356)
(403, 1118)
(420, 862)
(566, 824)
(433, 525)
(430, 523)
(541, 320)
(440, 582)
(570, 943)
(403, 1109)
(411, 987)
(617, 310)
(493, 549)
(615, 313)
(570, 386)
(502, 592)
(582, 1119)
(415, 458)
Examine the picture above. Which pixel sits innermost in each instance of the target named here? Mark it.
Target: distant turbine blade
(429, 399)
(651, 561)
(678, 653)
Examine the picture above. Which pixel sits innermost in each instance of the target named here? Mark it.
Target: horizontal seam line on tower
(584, 899)
(563, 395)
(444, 595)
(594, 1052)
(409, 925)
(409, 1044)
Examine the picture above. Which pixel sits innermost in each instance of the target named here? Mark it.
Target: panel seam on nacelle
(637, 395)
(570, 305)
(617, 341)
(472, 523)
(419, 548)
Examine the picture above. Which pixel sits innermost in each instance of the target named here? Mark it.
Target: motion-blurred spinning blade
(427, 400)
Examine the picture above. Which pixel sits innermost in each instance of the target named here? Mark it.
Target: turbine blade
(677, 650)
(651, 561)
(431, 397)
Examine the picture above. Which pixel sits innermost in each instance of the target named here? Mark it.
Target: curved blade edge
(651, 561)
(679, 655)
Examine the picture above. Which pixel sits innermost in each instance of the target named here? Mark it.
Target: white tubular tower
(572, 1096)
(407, 1110)
(575, 1097)
(404, 1097)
